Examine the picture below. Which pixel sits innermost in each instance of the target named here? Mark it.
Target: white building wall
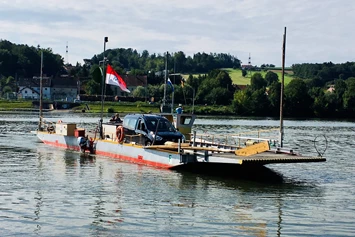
(31, 93)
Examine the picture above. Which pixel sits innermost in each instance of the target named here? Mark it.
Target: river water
(46, 191)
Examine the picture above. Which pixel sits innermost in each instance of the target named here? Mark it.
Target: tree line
(305, 96)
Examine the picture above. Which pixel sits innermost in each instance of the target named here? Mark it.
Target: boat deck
(269, 157)
(223, 155)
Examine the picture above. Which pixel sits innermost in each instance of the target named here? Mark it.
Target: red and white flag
(112, 78)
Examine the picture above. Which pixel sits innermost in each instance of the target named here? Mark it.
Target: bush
(110, 110)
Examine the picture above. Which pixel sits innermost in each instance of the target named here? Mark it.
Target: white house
(29, 88)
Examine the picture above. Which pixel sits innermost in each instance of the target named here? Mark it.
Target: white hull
(128, 152)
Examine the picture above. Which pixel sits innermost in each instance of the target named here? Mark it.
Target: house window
(25, 92)
(45, 89)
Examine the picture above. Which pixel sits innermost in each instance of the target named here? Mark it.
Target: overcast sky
(317, 30)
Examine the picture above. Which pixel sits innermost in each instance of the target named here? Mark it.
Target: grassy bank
(117, 107)
(120, 107)
(6, 105)
(141, 107)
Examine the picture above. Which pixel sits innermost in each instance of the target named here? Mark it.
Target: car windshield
(163, 124)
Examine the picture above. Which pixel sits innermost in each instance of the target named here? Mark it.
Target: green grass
(118, 107)
(238, 79)
(18, 104)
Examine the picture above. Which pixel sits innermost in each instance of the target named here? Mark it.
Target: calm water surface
(47, 191)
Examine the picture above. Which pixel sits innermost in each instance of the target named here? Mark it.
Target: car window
(130, 123)
(163, 124)
(141, 125)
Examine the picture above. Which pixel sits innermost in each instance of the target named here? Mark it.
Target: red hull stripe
(134, 160)
(57, 144)
(139, 160)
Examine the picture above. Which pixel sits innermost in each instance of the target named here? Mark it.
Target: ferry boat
(130, 141)
(136, 147)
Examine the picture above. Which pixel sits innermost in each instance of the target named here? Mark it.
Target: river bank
(110, 107)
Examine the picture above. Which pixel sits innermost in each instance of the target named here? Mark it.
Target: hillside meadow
(238, 79)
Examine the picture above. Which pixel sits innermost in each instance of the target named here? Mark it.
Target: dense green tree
(188, 94)
(207, 92)
(154, 92)
(259, 103)
(241, 103)
(93, 88)
(274, 94)
(340, 88)
(349, 96)
(25, 61)
(331, 106)
(297, 100)
(244, 72)
(257, 81)
(218, 96)
(271, 77)
(140, 92)
(319, 108)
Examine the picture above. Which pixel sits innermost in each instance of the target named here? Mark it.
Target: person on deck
(116, 118)
(179, 109)
(83, 143)
(86, 144)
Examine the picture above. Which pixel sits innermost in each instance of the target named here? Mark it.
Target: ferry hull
(163, 156)
(128, 152)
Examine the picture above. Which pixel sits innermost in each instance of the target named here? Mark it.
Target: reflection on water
(248, 172)
(52, 192)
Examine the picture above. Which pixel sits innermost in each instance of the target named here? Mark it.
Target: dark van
(148, 129)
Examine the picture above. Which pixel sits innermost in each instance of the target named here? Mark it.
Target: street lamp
(102, 89)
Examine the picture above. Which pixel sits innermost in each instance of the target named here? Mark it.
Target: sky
(317, 30)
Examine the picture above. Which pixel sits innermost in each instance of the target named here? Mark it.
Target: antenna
(249, 64)
(66, 54)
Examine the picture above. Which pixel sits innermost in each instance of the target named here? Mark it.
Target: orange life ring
(119, 134)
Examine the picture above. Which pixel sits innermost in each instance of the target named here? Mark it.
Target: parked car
(154, 129)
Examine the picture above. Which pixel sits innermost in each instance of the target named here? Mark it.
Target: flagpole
(166, 74)
(102, 88)
(172, 102)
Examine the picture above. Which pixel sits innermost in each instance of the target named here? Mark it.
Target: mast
(282, 90)
(102, 88)
(41, 95)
